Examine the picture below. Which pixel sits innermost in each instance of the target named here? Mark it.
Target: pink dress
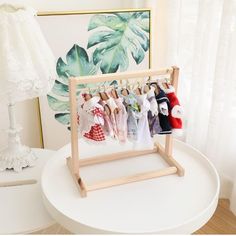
(121, 120)
(110, 126)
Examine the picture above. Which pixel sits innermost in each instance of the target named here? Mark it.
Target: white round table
(21, 207)
(165, 205)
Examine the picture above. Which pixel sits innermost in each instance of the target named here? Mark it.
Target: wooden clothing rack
(74, 163)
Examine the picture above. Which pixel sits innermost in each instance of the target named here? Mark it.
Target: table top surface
(22, 208)
(170, 204)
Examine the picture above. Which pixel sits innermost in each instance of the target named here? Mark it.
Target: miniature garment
(107, 127)
(144, 140)
(91, 119)
(132, 108)
(153, 118)
(176, 111)
(96, 132)
(163, 105)
(121, 120)
(110, 126)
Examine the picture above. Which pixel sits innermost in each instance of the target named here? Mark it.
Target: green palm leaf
(63, 118)
(77, 64)
(123, 33)
(57, 105)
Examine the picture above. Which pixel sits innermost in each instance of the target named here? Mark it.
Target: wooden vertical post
(74, 126)
(169, 138)
(175, 77)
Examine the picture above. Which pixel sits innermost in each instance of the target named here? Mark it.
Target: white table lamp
(27, 70)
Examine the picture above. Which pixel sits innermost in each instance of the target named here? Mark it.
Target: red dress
(176, 111)
(91, 118)
(96, 132)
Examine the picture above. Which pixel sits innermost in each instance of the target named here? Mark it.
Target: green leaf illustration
(60, 89)
(57, 105)
(63, 118)
(121, 33)
(77, 64)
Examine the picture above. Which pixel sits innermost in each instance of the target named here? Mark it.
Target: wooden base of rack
(78, 181)
(174, 168)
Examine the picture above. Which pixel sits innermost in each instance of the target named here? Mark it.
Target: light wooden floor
(222, 222)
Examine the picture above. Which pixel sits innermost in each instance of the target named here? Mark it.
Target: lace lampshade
(27, 70)
(27, 65)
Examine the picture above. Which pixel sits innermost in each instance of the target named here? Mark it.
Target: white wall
(27, 112)
(62, 5)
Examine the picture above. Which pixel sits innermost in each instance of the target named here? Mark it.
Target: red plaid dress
(96, 132)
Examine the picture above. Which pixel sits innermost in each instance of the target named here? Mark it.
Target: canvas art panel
(89, 43)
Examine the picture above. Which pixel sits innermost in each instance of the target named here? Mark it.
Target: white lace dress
(144, 140)
(27, 64)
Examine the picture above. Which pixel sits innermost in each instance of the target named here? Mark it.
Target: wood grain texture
(114, 157)
(132, 178)
(120, 76)
(78, 181)
(170, 160)
(18, 183)
(222, 222)
(169, 138)
(74, 127)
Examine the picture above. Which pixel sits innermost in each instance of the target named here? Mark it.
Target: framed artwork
(89, 43)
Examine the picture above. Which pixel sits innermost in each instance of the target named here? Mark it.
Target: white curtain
(200, 37)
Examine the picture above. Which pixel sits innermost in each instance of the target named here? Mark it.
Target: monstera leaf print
(77, 64)
(118, 34)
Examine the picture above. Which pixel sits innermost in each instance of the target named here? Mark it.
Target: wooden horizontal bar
(78, 181)
(170, 160)
(114, 156)
(132, 178)
(120, 76)
(18, 183)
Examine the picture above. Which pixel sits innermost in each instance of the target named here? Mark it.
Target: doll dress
(112, 105)
(132, 108)
(153, 119)
(108, 127)
(163, 105)
(110, 122)
(96, 132)
(176, 111)
(144, 140)
(121, 120)
(91, 119)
